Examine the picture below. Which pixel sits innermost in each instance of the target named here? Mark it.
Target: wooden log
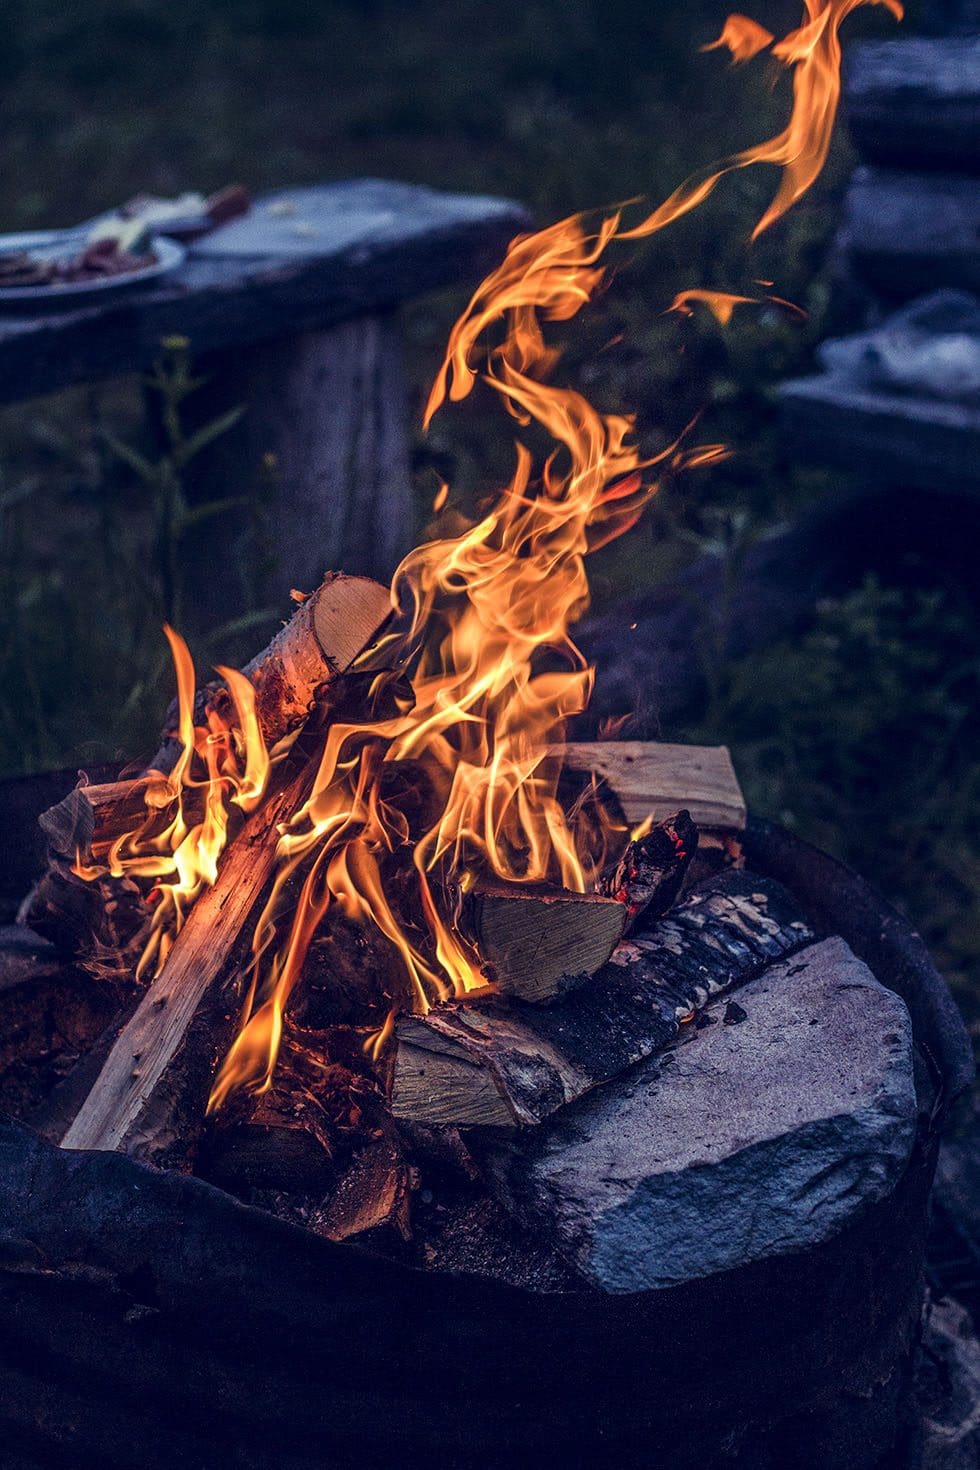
(654, 779)
(539, 944)
(650, 873)
(136, 1097)
(324, 636)
(375, 1193)
(93, 816)
(502, 1064)
(285, 1143)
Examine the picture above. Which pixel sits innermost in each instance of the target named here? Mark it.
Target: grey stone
(756, 1140)
(931, 347)
(916, 100)
(890, 438)
(910, 232)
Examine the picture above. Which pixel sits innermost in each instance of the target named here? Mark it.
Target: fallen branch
(652, 870)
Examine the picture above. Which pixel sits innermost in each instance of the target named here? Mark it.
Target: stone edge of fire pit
(762, 1134)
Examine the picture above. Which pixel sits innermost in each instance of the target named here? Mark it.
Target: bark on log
(538, 945)
(651, 778)
(134, 1101)
(507, 1065)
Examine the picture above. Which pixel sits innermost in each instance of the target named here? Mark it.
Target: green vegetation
(862, 734)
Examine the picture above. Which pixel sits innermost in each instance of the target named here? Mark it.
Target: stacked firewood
(580, 987)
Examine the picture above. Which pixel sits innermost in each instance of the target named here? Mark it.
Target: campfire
(371, 903)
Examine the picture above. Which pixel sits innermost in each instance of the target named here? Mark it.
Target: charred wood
(51, 1012)
(374, 1194)
(651, 872)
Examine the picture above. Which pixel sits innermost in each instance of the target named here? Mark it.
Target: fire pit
(506, 1096)
(150, 1319)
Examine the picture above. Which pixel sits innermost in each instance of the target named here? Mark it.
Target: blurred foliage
(863, 736)
(859, 734)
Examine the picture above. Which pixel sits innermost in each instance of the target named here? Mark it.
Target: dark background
(860, 733)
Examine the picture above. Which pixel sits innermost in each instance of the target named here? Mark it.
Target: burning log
(95, 815)
(137, 1096)
(650, 873)
(508, 1065)
(321, 640)
(538, 945)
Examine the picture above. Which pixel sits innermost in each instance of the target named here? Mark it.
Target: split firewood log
(539, 944)
(652, 779)
(95, 815)
(500, 1063)
(324, 636)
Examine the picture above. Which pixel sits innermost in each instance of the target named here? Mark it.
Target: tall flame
(482, 627)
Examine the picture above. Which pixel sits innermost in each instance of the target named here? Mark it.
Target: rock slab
(747, 1140)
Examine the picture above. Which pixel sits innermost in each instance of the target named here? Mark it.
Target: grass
(859, 734)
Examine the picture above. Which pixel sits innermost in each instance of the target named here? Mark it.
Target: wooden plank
(325, 439)
(654, 779)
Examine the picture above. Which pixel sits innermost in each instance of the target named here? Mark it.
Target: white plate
(52, 244)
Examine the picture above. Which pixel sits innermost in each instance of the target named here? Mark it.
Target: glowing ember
(452, 774)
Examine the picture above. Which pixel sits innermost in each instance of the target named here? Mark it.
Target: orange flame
(183, 856)
(721, 304)
(483, 620)
(743, 36)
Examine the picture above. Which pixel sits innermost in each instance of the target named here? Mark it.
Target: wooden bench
(291, 312)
